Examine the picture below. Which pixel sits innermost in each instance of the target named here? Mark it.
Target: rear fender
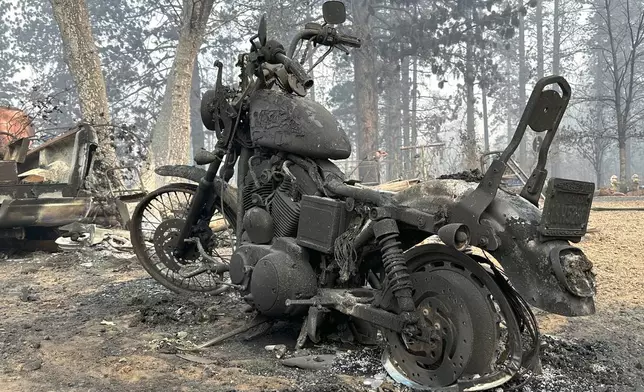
(551, 275)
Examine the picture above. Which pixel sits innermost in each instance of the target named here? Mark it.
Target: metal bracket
(543, 112)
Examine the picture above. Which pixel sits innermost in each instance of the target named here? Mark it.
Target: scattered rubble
(311, 362)
(52, 333)
(468, 175)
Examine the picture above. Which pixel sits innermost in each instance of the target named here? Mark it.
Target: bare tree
(619, 43)
(591, 138)
(84, 64)
(171, 134)
(523, 77)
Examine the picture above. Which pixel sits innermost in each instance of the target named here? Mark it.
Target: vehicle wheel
(467, 327)
(156, 223)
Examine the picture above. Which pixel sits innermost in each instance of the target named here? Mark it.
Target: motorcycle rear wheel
(465, 317)
(156, 221)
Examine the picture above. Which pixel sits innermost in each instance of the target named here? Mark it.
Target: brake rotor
(459, 328)
(165, 242)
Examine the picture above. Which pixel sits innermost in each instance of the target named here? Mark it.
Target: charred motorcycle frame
(308, 243)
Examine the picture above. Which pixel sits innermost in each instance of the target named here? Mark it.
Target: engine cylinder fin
(286, 214)
(264, 191)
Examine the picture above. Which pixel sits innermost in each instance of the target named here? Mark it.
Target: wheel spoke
(156, 223)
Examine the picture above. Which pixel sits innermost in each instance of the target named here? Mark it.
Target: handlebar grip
(296, 69)
(348, 40)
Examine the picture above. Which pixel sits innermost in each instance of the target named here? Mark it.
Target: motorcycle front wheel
(156, 223)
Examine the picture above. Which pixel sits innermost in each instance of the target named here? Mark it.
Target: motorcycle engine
(270, 264)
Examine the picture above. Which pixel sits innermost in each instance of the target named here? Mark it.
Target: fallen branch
(256, 322)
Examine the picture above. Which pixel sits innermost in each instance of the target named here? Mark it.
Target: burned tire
(156, 222)
(469, 330)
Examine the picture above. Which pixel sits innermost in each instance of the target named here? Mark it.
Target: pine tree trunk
(523, 159)
(364, 68)
(539, 21)
(556, 56)
(171, 135)
(196, 126)
(556, 39)
(509, 127)
(405, 116)
(84, 65)
(622, 161)
(414, 116)
(486, 130)
(395, 132)
(469, 138)
(386, 131)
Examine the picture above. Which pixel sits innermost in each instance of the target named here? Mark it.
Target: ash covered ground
(94, 321)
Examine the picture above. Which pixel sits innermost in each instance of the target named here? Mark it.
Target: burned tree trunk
(171, 135)
(405, 116)
(469, 138)
(84, 65)
(364, 68)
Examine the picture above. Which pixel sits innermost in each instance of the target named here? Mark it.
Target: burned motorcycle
(441, 269)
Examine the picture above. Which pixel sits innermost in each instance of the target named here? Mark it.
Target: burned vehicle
(42, 188)
(444, 272)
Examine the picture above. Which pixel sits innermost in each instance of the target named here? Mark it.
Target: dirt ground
(94, 321)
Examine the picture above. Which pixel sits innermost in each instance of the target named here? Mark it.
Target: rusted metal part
(33, 200)
(17, 150)
(8, 173)
(14, 124)
(43, 212)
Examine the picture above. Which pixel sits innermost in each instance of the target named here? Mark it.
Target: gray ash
(467, 175)
(576, 366)
(364, 362)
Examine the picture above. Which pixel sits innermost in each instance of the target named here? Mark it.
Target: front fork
(203, 197)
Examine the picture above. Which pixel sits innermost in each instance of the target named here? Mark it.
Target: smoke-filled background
(436, 84)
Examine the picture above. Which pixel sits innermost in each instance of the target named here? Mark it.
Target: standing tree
(619, 44)
(84, 64)
(171, 134)
(366, 94)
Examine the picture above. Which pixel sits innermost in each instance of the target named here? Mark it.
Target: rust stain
(14, 122)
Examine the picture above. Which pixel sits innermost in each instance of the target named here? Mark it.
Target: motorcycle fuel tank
(297, 125)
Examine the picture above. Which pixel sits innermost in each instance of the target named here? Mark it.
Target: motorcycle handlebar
(348, 40)
(295, 69)
(328, 40)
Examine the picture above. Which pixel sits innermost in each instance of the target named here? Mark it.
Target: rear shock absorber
(398, 279)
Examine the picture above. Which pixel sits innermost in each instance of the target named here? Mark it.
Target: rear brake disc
(458, 321)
